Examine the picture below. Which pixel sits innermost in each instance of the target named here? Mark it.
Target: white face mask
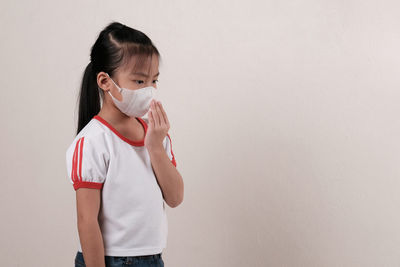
(134, 103)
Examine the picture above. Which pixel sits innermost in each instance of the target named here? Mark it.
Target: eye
(155, 81)
(138, 81)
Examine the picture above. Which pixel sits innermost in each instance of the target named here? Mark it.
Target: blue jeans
(117, 261)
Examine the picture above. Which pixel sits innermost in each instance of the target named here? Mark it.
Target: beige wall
(284, 121)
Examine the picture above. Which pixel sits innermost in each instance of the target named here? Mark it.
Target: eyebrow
(144, 74)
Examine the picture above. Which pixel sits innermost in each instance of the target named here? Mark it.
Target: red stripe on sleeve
(73, 171)
(172, 153)
(173, 158)
(80, 159)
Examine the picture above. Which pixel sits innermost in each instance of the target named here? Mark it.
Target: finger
(161, 114)
(164, 114)
(155, 114)
(151, 120)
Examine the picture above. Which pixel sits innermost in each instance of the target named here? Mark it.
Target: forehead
(144, 64)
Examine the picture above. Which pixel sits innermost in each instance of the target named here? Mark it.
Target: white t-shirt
(132, 215)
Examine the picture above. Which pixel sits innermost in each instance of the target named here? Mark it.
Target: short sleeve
(87, 162)
(168, 149)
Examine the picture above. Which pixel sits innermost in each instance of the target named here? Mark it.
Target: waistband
(153, 256)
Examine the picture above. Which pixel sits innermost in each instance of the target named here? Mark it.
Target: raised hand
(158, 126)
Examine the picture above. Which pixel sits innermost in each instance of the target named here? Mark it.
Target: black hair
(114, 47)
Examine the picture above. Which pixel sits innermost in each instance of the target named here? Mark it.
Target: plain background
(284, 123)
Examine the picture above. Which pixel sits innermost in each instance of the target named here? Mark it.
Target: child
(121, 165)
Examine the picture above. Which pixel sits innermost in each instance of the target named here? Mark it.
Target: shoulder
(93, 136)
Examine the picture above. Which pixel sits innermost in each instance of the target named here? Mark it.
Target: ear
(103, 81)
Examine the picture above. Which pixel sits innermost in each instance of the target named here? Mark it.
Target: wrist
(156, 149)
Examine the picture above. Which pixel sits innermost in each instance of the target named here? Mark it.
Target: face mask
(134, 103)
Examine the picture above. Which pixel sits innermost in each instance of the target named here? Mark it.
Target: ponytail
(89, 99)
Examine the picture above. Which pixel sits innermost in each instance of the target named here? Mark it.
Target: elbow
(84, 222)
(176, 202)
(87, 225)
(177, 199)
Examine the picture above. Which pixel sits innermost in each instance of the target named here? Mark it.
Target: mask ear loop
(119, 89)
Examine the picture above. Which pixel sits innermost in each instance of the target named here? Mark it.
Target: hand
(158, 126)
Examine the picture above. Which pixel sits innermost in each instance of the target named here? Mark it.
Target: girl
(121, 165)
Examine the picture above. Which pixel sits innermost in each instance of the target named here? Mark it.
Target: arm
(88, 205)
(168, 177)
